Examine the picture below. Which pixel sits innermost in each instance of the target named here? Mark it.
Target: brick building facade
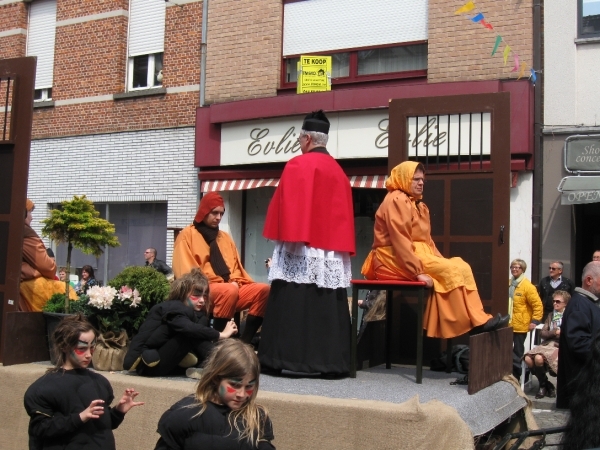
(249, 79)
(94, 135)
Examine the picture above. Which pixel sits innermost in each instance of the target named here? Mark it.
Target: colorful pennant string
(521, 67)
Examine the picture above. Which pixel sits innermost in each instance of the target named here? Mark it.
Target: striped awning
(356, 181)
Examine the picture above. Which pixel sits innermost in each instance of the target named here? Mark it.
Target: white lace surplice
(298, 263)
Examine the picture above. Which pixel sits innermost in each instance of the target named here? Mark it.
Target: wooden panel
(490, 358)
(15, 134)
(28, 341)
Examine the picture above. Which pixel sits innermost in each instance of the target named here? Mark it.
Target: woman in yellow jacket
(525, 309)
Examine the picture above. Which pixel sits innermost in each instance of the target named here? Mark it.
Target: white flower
(101, 297)
(136, 299)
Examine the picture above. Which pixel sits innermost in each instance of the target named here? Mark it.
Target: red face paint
(230, 389)
(249, 392)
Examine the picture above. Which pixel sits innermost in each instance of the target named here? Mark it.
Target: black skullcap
(316, 121)
(50, 253)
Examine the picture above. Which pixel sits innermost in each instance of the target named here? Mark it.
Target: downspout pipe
(538, 166)
(203, 53)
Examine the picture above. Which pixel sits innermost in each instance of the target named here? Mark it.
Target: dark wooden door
(464, 144)
(16, 111)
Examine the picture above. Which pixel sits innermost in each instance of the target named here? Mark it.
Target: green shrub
(152, 286)
(56, 304)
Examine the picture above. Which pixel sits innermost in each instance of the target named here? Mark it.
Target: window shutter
(40, 40)
(146, 27)
(322, 25)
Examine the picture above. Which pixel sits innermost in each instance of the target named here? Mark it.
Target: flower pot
(110, 351)
(52, 321)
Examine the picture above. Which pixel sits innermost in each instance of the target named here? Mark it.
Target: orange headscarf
(401, 178)
(209, 202)
(29, 205)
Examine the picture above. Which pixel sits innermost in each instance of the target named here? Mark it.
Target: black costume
(161, 266)
(54, 403)
(580, 325)
(546, 291)
(181, 429)
(170, 332)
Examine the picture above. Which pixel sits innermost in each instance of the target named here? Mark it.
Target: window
(145, 44)
(145, 71)
(40, 43)
(588, 18)
(398, 61)
(42, 95)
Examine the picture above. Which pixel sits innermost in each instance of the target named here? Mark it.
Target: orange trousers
(226, 299)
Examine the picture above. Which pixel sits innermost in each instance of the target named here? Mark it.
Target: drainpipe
(538, 166)
(203, 52)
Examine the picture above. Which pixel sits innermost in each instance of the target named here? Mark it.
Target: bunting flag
(521, 67)
(469, 6)
(497, 44)
(477, 18)
(532, 77)
(514, 69)
(522, 71)
(487, 24)
(506, 53)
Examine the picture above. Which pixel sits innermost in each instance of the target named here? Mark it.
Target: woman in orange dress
(404, 250)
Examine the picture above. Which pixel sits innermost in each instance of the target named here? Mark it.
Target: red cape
(313, 204)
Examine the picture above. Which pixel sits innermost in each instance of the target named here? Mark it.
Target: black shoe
(541, 393)
(495, 323)
(550, 390)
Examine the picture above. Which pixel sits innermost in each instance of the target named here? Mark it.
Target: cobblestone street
(545, 412)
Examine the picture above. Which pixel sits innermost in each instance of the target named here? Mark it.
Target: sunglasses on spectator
(557, 301)
(553, 268)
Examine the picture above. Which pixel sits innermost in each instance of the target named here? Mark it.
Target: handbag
(110, 351)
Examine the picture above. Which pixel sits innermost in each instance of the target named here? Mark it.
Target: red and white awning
(356, 181)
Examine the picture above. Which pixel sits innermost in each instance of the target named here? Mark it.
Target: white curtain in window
(40, 40)
(146, 27)
(322, 25)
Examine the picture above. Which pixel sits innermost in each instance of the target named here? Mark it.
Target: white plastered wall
(521, 204)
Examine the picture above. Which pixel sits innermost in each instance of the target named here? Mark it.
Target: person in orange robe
(213, 251)
(404, 250)
(38, 270)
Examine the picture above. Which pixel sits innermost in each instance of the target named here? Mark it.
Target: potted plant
(119, 309)
(78, 224)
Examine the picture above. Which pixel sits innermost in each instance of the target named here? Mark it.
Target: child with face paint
(69, 407)
(176, 334)
(223, 413)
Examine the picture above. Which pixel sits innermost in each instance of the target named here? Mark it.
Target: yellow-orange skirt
(36, 293)
(454, 306)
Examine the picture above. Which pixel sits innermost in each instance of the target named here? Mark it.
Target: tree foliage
(78, 224)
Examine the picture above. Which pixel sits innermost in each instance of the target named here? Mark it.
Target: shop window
(145, 71)
(396, 61)
(137, 225)
(588, 18)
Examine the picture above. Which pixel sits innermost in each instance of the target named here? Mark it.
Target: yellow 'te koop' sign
(314, 74)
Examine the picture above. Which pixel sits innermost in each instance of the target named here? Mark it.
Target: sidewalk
(544, 410)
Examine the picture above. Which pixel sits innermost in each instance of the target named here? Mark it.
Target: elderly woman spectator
(37, 269)
(544, 357)
(87, 280)
(403, 249)
(525, 309)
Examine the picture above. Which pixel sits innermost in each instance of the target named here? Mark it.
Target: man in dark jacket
(553, 282)
(161, 266)
(580, 325)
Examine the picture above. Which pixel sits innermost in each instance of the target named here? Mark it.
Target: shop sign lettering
(582, 154)
(260, 145)
(578, 197)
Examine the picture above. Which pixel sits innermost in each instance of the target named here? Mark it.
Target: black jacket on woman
(181, 429)
(54, 403)
(166, 321)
